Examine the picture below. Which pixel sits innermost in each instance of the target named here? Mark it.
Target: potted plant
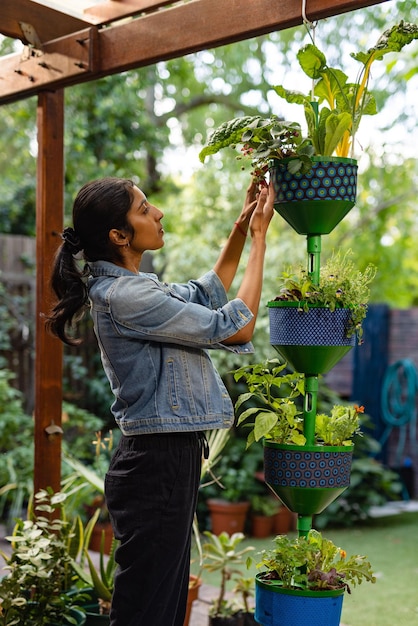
(306, 470)
(300, 162)
(221, 554)
(228, 512)
(315, 320)
(306, 576)
(39, 568)
(263, 509)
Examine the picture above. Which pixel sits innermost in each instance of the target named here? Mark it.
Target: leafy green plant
(221, 554)
(313, 562)
(39, 569)
(276, 415)
(264, 505)
(100, 579)
(341, 285)
(333, 110)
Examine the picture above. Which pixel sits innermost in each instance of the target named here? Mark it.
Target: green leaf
(312, 61)
(336, 125)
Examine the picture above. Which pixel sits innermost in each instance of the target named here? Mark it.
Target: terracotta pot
(261, 525)
(284, 521)
(96, 537)
(194, 585)
(226, 516)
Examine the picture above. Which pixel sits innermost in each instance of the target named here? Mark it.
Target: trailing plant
(276, 415)
(313, 562)
(341, 285)
(333, 110)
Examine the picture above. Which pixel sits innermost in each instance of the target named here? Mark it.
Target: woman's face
(145, 220)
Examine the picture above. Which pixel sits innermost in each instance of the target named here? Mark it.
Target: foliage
(264, 505)
(371, 484)
(221, 554)
(277, 417)
(40, 566)
(313, 562)
(341, 285)
(332, 118)
(100, 579)
(235, 474)
(16, 462)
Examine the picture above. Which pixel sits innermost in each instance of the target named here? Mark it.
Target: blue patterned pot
(307, 478)
(275, 606)
(314, 203)
(312, 341)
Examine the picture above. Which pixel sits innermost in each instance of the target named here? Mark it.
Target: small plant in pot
(306, 576)
(305, 477)
(300, 160)
(277, 416)
(333, 110)
(316, 318)
(223, 553)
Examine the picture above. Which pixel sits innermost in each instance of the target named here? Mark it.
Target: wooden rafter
(168, 33)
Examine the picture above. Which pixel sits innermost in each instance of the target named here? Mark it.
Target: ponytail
(99, 206)
(68, 284)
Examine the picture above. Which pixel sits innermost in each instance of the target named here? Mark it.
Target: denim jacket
(154, 340)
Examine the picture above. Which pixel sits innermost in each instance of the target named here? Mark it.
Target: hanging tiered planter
(314, 322)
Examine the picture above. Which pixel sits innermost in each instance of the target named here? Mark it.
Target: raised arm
(228, 261)
(250, 289)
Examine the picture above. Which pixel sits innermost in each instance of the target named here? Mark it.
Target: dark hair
(99, 206)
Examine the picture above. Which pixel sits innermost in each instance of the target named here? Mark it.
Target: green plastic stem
(304, 525)
(309, 409)
(313, 243)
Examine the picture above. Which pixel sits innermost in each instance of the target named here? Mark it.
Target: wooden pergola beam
(49, 351)
(165, 34)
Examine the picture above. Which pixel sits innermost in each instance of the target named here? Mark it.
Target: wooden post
(48, 350)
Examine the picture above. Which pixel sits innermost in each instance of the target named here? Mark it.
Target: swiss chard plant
(333, 110)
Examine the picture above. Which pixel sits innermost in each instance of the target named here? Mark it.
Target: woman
(154, 340)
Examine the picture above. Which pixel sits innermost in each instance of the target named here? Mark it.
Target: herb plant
(341, 285)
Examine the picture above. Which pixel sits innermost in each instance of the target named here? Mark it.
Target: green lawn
(391, 543)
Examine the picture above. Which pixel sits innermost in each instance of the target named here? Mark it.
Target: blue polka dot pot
(311, 341)
(307, 478)
(314, 203)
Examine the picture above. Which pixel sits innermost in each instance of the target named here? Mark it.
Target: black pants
(151, 492)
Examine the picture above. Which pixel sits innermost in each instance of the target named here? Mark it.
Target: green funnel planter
(307, 478)
(311, 341)
(275, 606)
(314, 203)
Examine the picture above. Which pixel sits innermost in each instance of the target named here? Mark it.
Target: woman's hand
(248, 207)
(263, 211)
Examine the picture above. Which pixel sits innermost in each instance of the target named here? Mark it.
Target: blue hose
(398, 401)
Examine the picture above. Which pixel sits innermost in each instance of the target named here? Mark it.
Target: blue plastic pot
(275, 606)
